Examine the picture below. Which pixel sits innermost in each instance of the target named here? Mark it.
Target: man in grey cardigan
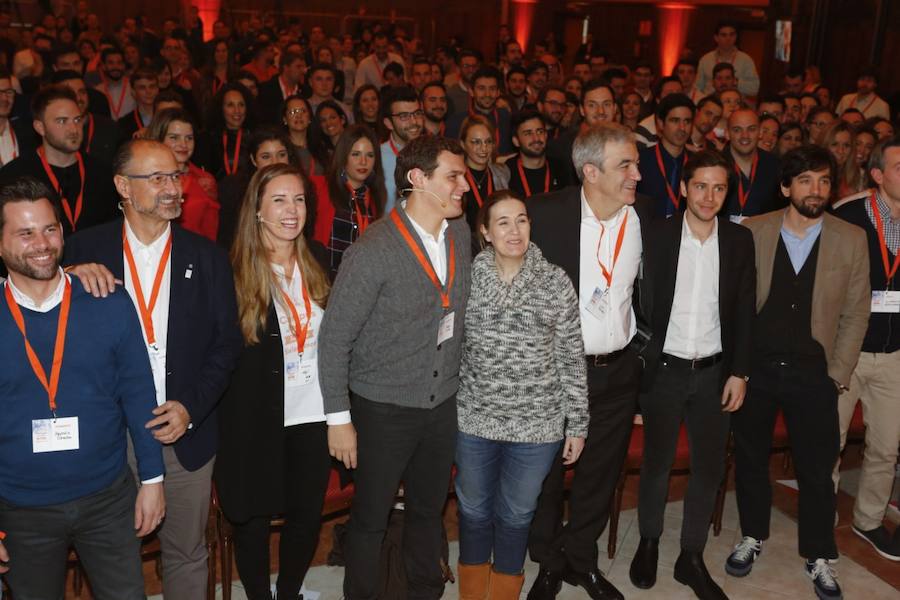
(389, 352)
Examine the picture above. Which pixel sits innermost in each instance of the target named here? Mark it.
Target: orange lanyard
(524, 179)
(146, 311)
(362, 215)
(59, 347)
(662, 170)
(889, 271)
(73, 219)
(425, 263)
(608, 275)
(114, 108)
(490, 184)
(300, 331)
(233, 167)
(742, 197)
(90, 134)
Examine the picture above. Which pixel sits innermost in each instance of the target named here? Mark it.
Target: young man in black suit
(191, 333)
(595, 232)
(698, 292)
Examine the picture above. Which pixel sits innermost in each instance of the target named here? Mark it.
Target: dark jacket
(737, 293)
(250, 476)
(203, 337)
(105, 141)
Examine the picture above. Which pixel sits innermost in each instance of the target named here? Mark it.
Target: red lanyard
(90, 135)
(233, 167)
(742, 197)
(362, 216)
(473, 113)
(300, 331)
(425, 263)
(868, 106)
(52, 386)
(114, 109)
(284, 91)
(393, 147)
(524, 179)
(137, 119)
(216, 84)
(889, 271)
(73, 219)
(662, 170)
(608, 275)
(145, 310)
(490, 184)
(442, 129)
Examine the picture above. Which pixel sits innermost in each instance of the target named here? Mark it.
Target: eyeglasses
(297, 111)
(406, 116)
(160, 179)
(487, 142)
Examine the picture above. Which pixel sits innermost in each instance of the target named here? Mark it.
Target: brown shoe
(505, 587)
(474, 581)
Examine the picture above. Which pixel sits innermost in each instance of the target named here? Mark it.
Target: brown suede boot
(505, 587)
(474, 581)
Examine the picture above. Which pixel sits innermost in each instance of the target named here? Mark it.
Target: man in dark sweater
(63, 474)
(83, 186)
(877, 376)
(812, 303)
(389, 353)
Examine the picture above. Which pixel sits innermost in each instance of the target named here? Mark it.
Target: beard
(532, 152)
(20, 263)
(810, 207)
(168, 212)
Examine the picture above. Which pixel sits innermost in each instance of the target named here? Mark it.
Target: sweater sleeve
(135, 390)
(353, 296)
(748, 78)
(569, 356)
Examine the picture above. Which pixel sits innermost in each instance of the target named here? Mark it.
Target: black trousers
(416, 446)
(307, 468)
(694, 397)
(808, 399)
(612, 397)
(99, 526)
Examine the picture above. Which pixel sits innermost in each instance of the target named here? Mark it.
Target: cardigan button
(276, 372)
(435, 373)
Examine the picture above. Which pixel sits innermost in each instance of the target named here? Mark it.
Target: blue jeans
(497, 488)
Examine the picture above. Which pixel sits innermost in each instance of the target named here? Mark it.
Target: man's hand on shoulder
(96, 279)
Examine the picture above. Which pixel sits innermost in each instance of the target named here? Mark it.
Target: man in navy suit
(183, 290)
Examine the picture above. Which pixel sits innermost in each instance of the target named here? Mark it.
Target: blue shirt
(798, 248)
(653, 181)
(389, 165)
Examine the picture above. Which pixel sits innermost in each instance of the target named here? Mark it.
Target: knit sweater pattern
(523, 376)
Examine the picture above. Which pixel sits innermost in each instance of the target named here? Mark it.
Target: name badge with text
(54, 435)
(445, 329)
(885, 301)
(598, 305)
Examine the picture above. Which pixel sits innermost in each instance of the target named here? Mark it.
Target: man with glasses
(16, 136)
(83, 184)
(192, 349)
(405, 119)
(552, 104)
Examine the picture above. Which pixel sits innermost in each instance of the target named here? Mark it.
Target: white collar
(587, 214)
(51, 302)
(424, 234)
(155, 247)
(687, 232)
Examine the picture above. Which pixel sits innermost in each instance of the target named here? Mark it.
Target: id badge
(298, 372)
(445, 329)
(54, 435)
(885, 301)
(736, 218)
(598, 305)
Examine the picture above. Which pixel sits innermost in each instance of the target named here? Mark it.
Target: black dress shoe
(546, 586)
(691, 571)
(643, 565)
(593, 582)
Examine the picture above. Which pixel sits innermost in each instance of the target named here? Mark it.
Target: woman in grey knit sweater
(522, 395)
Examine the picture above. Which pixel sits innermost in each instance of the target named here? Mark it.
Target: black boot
(546, 586)
(643, 565)
(691, 571)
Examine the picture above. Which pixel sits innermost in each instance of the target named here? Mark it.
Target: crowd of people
(238, 262)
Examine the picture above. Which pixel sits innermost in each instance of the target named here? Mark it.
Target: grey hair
(590, 145)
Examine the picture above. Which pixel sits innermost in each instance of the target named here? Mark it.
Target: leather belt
(601, 360)
(692, 364)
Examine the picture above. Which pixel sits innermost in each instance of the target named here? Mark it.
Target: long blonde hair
(253, 276)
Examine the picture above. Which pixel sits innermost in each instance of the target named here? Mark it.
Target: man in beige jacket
(812, 300)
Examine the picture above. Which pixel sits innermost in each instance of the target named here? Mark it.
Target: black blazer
(556, 226)
(271, 101)
(203, 337)
(107, 137)
(737, 292)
